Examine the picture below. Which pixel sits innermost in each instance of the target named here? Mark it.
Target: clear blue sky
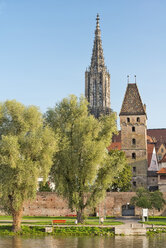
(46, 45)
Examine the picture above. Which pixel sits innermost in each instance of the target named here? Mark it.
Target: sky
(46, 46)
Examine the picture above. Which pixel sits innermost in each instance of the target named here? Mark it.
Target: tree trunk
(80, 216)
(17, 216)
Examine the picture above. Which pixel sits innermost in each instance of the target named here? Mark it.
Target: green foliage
(82, 164)
(26, 150)
(146, 199)
(72, 231)
(122, 182)
(44, 187)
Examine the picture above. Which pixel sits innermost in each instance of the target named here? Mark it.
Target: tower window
(133, 155)
(133, 129)
(138, 119)
(134, 169)
(133, 141)
(128, 119)
(134, 184)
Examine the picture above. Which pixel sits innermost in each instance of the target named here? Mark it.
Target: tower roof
(132, 103)
(97, 60)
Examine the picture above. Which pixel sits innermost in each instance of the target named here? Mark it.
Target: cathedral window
(133, 155)
(138, 119)
(128, 119)
(133, 129)
(133, 141)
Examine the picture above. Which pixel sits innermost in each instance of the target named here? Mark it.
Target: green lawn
(38, 220)
(156, 220)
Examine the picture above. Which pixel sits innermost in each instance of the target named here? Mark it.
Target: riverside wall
(50, 204)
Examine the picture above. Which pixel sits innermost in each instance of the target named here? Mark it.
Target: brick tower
(97, 79)
(134, 134)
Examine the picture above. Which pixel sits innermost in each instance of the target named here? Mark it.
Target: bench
(58, 222)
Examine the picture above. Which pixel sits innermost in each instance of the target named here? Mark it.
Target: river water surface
(157, 241)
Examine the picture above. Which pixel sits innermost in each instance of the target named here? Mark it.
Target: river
(158, 241)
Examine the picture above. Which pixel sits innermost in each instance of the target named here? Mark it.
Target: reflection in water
(158, 241)
(16, 242)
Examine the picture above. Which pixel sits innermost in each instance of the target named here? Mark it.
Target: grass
(156, 220)
(41, 220)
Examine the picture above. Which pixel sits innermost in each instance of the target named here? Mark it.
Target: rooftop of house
(159, 135)
(115, 146)
(150, 148)
(162, 171)
(163, 160)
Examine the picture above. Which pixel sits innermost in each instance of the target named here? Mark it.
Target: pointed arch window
(128, 119)
(133, 129)
(133, 141)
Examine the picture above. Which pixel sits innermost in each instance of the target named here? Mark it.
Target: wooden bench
(58, 222)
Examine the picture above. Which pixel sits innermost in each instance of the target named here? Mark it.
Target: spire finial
(135, 79)
(128, 79)
(97, 21)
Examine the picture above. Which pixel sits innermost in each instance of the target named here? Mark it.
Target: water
(158, 241)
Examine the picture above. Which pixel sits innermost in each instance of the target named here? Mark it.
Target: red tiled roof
(115, 146)
(150, 152)
(159, 135)
(162, 171)
(163, 160)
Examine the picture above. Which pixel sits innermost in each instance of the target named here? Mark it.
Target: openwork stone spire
(97, 60)
(97, 79)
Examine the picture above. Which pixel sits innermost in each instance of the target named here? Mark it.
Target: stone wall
(49, 204)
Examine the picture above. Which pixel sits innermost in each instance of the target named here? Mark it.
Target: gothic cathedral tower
(134, 134)
(97, 79)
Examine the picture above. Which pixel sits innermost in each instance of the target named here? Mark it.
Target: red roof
(159, 135)
(150, 152)
(115, 146)
(163, 160)
(162, 171)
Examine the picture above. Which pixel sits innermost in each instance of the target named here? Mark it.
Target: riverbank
(58, 230)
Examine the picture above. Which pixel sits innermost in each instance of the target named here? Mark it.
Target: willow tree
(26, 150)
(82, 169)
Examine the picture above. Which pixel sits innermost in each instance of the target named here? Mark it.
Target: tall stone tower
(134, 134)
(97, 79)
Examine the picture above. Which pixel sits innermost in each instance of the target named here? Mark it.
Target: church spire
(97, 60)
(97, 79)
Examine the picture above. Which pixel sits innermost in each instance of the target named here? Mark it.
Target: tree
(146, 199)
(82, 168)
(45, 187)
(26, 150)
(122, 182)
